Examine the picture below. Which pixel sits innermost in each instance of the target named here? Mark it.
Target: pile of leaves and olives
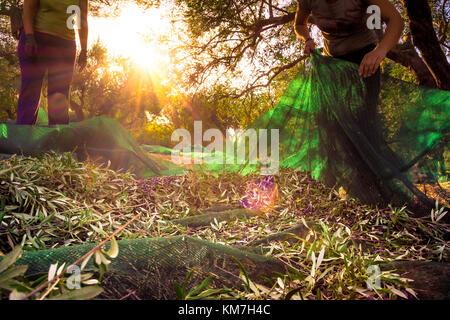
(54, 201)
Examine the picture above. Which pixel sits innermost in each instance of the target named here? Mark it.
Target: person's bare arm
(83, 33)
(395, 25)
(301, 29)
(30, 8)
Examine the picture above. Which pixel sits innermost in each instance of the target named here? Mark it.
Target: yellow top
(55, 17)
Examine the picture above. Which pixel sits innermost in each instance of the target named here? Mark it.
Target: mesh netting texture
(150, 266)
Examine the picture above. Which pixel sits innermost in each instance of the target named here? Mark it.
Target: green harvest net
(376, 155)
(150, 266)
(97, 138)
(396, 155)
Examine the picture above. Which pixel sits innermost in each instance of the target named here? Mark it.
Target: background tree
(240, 55)
(9, 71)
(113, 87)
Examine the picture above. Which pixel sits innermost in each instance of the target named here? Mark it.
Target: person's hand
(309, 47)
(371, 62)
(82, 60)
(30, 46)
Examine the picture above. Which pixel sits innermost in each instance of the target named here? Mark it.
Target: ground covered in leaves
(54, 201)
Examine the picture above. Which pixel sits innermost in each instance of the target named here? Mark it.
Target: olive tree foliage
(9, 72)
(239, 39)
(241, 54)
(235, 57)
(259, 34)
(121, 92)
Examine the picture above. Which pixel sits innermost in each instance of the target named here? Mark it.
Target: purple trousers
(56, 57)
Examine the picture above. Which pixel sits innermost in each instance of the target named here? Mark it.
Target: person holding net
(357, 154)
(347, 36)
(47, 45)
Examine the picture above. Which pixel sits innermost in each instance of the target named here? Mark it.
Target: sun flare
(135, 34)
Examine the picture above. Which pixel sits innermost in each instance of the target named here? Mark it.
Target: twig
(130, 293)
(49, 290)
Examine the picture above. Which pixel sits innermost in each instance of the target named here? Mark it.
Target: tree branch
(425, 39)
(406, 55)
